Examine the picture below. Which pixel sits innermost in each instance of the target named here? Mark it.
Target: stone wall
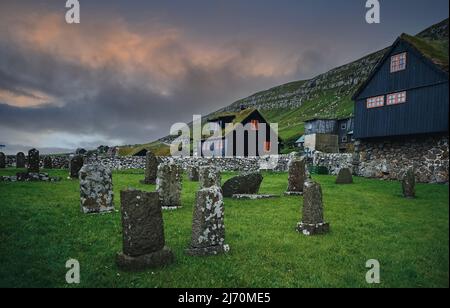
(333, 161)
(389, 158)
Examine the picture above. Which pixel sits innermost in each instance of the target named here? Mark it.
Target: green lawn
(41, 227)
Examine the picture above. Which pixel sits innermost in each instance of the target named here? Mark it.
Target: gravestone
(33, 161)
(20, 160)
(208, 229)
(247, 183)
(2, 160)
(312, 222)
(48, 162)
(143, 232)
(169, 184)
(151, 168)
(96, 189)
(409, 184)
(297, 176)
(76, 163)
(344, 176)
(209, 176)
(193, 174)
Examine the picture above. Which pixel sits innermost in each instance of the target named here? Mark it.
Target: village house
(252, 143)
(402, 109)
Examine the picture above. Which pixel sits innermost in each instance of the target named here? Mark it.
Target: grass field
(41, 227)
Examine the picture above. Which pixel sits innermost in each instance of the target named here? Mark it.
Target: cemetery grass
(41, 227)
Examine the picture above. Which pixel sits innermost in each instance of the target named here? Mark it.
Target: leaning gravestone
(209, 176)
(193, 174)
(75, 165)
(297, 176)
(344, 176)
(96, 189)
(33, 161)
(169, 184)
(409, 184)
(2, 160)
(247, 183)
(151, 168)
(208, 229)
(312, 215)
(20, 160)
(143, 232)
(48, 162)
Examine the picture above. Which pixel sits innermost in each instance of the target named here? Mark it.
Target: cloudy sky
(131, 69)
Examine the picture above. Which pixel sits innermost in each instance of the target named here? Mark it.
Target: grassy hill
(326, 95)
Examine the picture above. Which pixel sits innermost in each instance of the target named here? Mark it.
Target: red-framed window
(255, 124)
(374, 102)
(396, 98)
(267, 146)
(398, 62)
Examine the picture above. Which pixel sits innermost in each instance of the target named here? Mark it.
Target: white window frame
(397, 64)
(375, 102)
(396, 98)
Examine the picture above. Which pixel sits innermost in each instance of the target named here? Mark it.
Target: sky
(131, 69)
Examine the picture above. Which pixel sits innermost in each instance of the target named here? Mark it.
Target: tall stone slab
(20, 160)
(48, 162)
(2, 160)
(96, 189)
(312, 222)
(297, 176)
(143, 232)
(169, 185)
(76, 163)
(151, 168)
(409, 184)
(344, 176)
(209, 176)
(33, 161)
(193, 173)
(208, 228)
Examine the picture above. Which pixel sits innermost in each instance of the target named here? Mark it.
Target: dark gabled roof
(435, 52)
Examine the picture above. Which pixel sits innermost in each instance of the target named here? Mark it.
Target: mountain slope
(327, 95)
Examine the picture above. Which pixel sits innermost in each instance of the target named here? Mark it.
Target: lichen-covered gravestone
(209, 176)
(169, 185)
(297, 176)
(75, 165)
(193, 174)
(20, 160)
(33, 161)
(247, 183)
(151, 168)
(409, 184)
(208, 229)
(312, 222)
(48, 162)
(96, 189)
(143, 232)
(344, 176)
(2, 160)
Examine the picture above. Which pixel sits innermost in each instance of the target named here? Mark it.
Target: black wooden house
(407, 92)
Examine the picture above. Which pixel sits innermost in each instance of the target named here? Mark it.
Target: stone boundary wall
(333, 161)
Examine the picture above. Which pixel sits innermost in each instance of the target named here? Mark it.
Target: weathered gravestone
(96, 189)
(297, 176)
(344, 176)
(312, 222)
(247, 183)
(151, 168)
(33, 161)
(169, 184)
(48, 162)
(209, 176)
(76, 163)
(409, 184)
(20, 160)
(208, 229)
(193, 174)
(2, 160)
(143, 232)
